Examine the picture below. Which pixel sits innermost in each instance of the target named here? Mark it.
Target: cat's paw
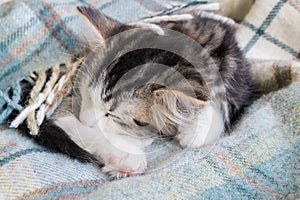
(190, 140)
(117, 167)
(205, 129)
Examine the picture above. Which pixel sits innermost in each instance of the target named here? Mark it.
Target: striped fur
(129, 92)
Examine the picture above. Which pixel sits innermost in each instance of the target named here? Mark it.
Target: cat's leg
(272, 75)
(205, 128)
(56, 139)
(122, 155)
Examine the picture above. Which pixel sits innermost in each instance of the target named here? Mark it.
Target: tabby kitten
(179, 76)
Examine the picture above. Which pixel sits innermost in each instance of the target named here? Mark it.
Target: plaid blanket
(260, 160)
(37, 34)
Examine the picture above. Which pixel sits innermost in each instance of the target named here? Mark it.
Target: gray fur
(146, 92)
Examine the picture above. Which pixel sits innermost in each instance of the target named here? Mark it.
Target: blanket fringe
(46, 95)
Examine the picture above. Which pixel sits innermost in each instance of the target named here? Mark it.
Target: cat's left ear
(176, 100)
(104, 26)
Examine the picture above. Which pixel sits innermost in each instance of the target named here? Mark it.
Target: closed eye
(139, 123)
(110, 114)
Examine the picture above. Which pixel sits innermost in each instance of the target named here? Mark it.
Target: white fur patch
(122, 154)
(204, 129)
(217, 17)
(210, 6)
(157, 29)
(158, 19)
(147, 23)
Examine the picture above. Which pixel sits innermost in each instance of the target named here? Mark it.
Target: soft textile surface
(271, 30)
(37, 33)
(261, 160)
(40, 34)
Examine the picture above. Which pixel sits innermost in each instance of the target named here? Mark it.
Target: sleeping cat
(180, 76)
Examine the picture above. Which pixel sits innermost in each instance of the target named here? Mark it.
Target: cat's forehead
(123, 102)
(128, 78)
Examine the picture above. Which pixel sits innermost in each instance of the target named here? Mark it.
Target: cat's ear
(104, 26)
(172, 107)
(173, 97)
(178, 98)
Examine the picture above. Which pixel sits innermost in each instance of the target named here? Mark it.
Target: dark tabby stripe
(137, 77)
(55, 139)
(216, 38)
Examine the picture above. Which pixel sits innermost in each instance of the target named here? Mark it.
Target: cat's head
(135, 91)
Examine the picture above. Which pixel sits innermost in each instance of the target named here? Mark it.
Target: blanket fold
(260, 160)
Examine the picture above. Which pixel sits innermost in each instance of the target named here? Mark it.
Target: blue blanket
(260, 160)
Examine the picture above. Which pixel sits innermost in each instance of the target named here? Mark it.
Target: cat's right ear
(103, 26)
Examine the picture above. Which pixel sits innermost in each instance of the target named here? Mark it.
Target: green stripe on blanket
(259, 161)
(38, 34)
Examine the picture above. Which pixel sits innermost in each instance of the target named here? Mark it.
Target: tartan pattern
(259, 161)
(267, 36)
(47, 33)
(266, 23)
(256, 162)
(274, 32)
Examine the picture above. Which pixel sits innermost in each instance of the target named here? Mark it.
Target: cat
(144, 80)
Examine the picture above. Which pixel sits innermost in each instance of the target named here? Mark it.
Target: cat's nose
(89, 122)
(88, 119)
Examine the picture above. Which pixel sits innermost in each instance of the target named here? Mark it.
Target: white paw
(205, 129)
(190, 140)
(117, 166)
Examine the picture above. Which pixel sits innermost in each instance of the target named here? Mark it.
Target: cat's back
(216, 35)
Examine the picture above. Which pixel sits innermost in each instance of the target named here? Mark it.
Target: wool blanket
(260, 160)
